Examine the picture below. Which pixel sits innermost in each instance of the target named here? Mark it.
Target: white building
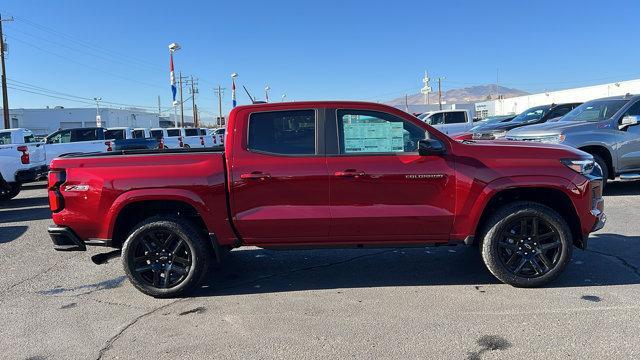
(48, 120)
(516, 105)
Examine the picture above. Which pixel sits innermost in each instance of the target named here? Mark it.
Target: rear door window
(156, 134)
(203, 132)
(283, 132)
(114, 134)
(84, 135)
(173, 132)
(454, 117)
(137, 134)
(191, 132)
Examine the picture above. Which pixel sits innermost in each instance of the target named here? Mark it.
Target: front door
(381, 188)
(629, 158)
(280, 186)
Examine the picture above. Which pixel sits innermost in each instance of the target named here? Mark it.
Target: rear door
(278, 179)
(381, 188)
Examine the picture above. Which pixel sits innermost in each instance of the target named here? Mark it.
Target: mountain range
(461, 95)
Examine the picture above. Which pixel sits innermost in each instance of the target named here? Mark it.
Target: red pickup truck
(327, 174)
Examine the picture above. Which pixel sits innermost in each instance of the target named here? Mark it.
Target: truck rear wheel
(165, 256)
(526, 244)
(9, 190)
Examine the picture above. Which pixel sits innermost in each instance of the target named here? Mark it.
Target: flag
(233, 92)
(172, 78)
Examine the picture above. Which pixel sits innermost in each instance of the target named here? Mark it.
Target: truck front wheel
(9, 190)
(526, 244)
(165, 256)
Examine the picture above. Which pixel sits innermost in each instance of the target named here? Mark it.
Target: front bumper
(32, 174)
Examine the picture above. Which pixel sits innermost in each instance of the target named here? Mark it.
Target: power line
(82, 64)
(47, 29)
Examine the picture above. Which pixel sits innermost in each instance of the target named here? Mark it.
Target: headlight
(582, 166)
(489, 135)
(499, 134)
(552, 139)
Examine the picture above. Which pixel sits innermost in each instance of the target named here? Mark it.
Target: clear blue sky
(368, 50)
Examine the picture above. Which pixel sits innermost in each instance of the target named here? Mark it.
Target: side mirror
(628, 120)
(428, 147)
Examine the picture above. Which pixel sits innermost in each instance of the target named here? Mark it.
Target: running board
(630, 177)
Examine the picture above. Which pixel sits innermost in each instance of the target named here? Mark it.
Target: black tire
(605, 169)
(186, 146)
(9, 191)
(166, 265)
(532, 258)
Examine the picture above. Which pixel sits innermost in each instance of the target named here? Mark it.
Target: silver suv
(605, 128)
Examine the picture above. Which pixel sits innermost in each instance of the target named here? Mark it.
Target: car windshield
(595, 110)
(533, 114)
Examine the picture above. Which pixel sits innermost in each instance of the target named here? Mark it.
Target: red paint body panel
(305, 200)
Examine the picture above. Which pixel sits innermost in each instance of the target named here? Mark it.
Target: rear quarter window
(173, 132)
(156, 134)
(137, 134)
(114, 134)
(84, 135)
(5, 138)
(283, 132)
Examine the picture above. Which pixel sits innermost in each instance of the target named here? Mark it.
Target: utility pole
(5, 99)
(181, 103)
(159, 113)
(194, 90)
(219, 92)
(440, 92)
(406, 103)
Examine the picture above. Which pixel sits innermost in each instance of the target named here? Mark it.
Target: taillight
(202, 140)
(161, 143)
(24, 158)
(215, 141)
(180, 143)
(109, 145)
(56, 178)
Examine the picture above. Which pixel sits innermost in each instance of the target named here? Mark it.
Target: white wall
(519, 104)
(46, 121)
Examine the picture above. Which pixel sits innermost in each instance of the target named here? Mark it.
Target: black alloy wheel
(161, 259)
(529, 246)
(526, 244)
(166, 256)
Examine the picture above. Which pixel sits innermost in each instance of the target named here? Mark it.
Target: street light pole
(5, 98)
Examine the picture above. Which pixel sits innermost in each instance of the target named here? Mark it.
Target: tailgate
(37, 154)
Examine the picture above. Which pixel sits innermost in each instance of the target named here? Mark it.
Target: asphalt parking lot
(392, 303)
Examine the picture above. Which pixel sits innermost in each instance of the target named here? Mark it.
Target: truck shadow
(10, 233)
(622, 188)
(22, 215)
(254, 271)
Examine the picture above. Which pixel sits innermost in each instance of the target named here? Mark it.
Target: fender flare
(159, 194)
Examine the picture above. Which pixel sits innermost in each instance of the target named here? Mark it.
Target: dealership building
(47, 120)
(516, 105)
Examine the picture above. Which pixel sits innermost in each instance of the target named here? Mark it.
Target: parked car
(126, 138)
(22, 160)
(219, 135)
(76, 140)
(495, 119)
(448, 121)
(166, 141)
(327, 174)
(605, 128)
(534, 115)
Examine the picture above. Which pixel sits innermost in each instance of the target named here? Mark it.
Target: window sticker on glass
(368, 134)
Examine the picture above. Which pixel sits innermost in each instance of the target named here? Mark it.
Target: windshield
(595, 110)
(533, 114)
(422, 116)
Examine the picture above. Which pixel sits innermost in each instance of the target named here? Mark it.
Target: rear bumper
(65, 239)
(32, 174)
